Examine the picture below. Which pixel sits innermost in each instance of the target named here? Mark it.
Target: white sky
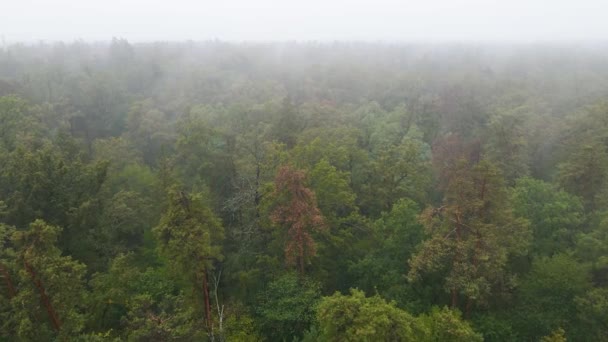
(388, 20)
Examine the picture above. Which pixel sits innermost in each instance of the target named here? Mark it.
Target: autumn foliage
(297, 210)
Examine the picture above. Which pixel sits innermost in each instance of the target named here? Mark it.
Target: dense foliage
(303, 191)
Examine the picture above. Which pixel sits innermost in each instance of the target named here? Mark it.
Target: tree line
(303, 192)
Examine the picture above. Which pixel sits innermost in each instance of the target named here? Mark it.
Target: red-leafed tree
(297, 210)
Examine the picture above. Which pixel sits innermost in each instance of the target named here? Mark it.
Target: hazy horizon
(265, 21)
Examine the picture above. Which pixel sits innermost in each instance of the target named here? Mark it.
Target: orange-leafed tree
(297, 211)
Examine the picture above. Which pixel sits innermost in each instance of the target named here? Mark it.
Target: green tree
(148, 129)
(547, 296)
(51, 287)
(396, 171)
(20, 123)
(358, 318)
(508, 144)
(204, 156)
(288, 124)
(446, 325)
(111, 291)
(133, 303)
(585, 173)
(555, 216)
(54, 182)
(8, 280)
(286, 306)
(163, 319)
(593, 313)
(393, 239)
(189, 235)
(125, 220)
(337, 245)
(592, 247)
(558, 335)
(331, 188)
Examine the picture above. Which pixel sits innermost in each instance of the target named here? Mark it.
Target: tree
(296, 210)
(124, 221)
(100, 106)
(359, 318)
(8, 280)
(111, 291)
(288, 124)
(20, 123)
(148, 130)
(190, 236)
(204, 156)
(336, 245)
(7, 255)
(396, 171)
(547, 296)
(555, 216)
(54, 182)
(585, 173)
(339, 145)
(593, 313)
(162, 319)
(508, 144)
(51, 291)
(558, 335)
(129, 302)
(447, 325)
(286, 306)
(393, 239)
(471, 236)
(592, 247)
(331, 187)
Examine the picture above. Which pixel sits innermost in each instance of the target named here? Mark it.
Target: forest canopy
(214, 191)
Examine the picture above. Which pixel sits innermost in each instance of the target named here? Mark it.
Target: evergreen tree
(471, 236)
(189, 235)
(297, 211)
(49, 299)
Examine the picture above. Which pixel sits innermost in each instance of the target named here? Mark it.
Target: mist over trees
(347, 191)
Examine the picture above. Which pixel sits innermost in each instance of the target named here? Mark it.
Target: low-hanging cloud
(263, 20)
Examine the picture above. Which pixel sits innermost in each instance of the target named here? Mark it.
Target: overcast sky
(262, 20)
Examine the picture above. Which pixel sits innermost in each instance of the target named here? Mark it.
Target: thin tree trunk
(220, 310)
(46, 301)
(467, 312)
(456, 258)
(207, 303)
(256, 198)
(469, 306)
(301, 265)
(9, 282)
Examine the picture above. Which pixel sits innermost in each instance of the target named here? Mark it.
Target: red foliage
(299, 212)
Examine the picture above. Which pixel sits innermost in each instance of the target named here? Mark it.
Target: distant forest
(214, 191)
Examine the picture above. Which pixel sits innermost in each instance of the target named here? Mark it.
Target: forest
(303, 191)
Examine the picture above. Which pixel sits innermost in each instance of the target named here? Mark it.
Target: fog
(266, 20)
